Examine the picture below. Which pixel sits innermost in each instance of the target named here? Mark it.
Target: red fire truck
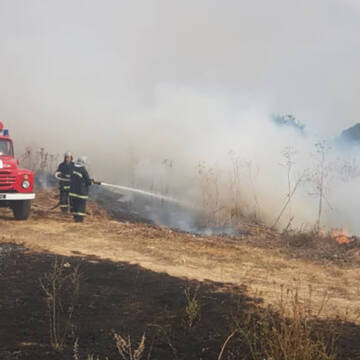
(16, 184)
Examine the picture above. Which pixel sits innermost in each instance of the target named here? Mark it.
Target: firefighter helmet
(81, 161)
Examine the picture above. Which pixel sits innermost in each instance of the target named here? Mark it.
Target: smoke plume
(170, 96)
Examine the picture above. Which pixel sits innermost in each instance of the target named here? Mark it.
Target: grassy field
(107, 283)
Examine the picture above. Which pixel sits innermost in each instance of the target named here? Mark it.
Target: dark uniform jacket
(65, 171)
(80, 182)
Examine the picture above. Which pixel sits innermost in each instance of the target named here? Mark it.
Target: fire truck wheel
(21, 209)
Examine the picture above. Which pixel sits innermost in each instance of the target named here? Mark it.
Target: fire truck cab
(16, 184)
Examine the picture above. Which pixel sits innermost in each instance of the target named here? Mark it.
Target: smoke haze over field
(132, 83)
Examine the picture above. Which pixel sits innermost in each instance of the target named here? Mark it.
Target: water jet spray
(148, 193)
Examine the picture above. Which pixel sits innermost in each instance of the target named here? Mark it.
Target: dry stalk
(61, 289)
(124, 347)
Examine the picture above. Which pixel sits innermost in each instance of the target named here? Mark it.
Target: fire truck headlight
(25, 184)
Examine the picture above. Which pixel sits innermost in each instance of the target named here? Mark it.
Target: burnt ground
(117, 297)
(114, 297)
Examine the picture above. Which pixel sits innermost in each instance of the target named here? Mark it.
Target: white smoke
(184, 128)
(148, 89)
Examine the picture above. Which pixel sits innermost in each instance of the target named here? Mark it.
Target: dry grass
(285, 327)
(257, 260)
(289, 330)
(76, 355)
(123, 345)
(295, 327)
(126, 350)
(61, 288)
(193, 306)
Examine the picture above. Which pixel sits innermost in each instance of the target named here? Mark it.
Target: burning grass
(342, 236)
(335, 246)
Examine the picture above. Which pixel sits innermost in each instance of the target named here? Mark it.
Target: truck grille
(6, 179)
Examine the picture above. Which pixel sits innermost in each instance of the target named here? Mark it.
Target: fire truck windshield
(5, 148)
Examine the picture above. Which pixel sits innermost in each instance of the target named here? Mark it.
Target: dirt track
(263, 271)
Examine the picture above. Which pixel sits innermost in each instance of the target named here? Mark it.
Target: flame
(341, 236)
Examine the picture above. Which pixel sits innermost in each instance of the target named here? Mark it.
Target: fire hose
(58, 177)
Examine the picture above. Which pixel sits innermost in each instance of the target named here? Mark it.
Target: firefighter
(63, 174)
(79, 191)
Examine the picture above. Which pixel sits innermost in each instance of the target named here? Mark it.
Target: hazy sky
(94, 64)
